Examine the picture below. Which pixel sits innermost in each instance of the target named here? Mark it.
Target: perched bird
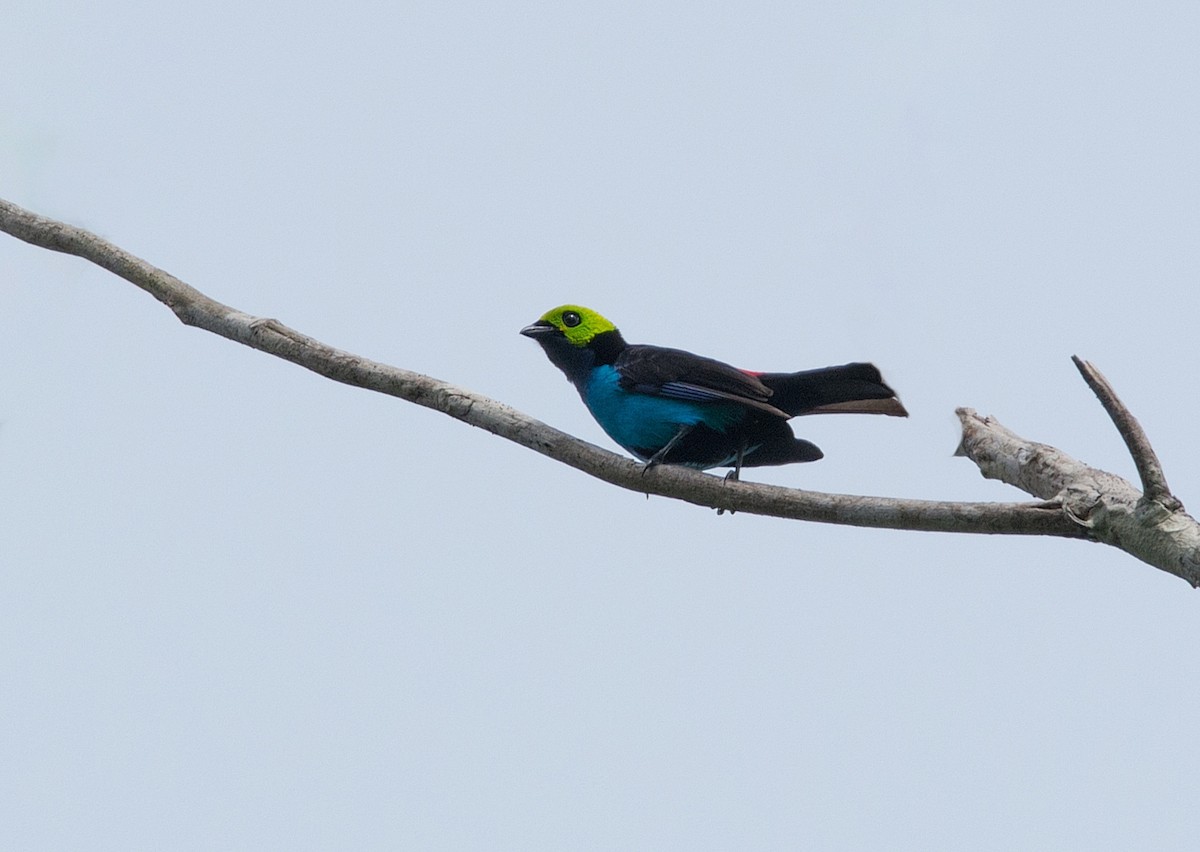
(670, 406)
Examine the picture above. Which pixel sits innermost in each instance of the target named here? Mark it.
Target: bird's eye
(571, 319)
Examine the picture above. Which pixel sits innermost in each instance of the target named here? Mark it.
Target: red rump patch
(755, 373)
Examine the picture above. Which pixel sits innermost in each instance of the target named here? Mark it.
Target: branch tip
(1154, 481)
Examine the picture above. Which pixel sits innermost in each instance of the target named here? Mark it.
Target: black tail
(784, 451)
(850, 389)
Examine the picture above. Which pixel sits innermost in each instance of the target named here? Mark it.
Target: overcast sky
(243, 607)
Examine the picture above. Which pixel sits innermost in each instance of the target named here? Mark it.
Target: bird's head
(576, 325)
(576, 339)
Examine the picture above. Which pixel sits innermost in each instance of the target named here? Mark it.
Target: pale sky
(243, 607)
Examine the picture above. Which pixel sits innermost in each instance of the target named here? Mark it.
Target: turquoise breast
(641, 422)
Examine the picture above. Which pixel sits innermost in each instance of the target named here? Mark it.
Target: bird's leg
(736, 473)
(658, 457)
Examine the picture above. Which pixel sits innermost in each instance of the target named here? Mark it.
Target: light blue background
(243, 607)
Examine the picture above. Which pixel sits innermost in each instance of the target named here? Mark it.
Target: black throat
(577, 361)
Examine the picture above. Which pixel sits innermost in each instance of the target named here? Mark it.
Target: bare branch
(1105, 504)
(1154, 482)
(1108, 510)
(194, 308)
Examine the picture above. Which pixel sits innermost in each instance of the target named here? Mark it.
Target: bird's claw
(730, 476)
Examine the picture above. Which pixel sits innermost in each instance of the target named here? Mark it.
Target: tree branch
(1105, 504)
(1042, 471)
(1154, 482)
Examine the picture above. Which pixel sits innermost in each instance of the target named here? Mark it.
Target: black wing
(677, 374)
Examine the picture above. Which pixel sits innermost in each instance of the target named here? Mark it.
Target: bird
(669, 406)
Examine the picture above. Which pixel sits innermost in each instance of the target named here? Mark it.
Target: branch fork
(1150, 524)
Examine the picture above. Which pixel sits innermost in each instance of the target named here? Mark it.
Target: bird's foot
(731, 476)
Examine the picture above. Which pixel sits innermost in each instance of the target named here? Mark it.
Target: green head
(577, 324)
(576, 339)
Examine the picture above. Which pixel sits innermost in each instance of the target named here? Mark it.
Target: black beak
(541, 328)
